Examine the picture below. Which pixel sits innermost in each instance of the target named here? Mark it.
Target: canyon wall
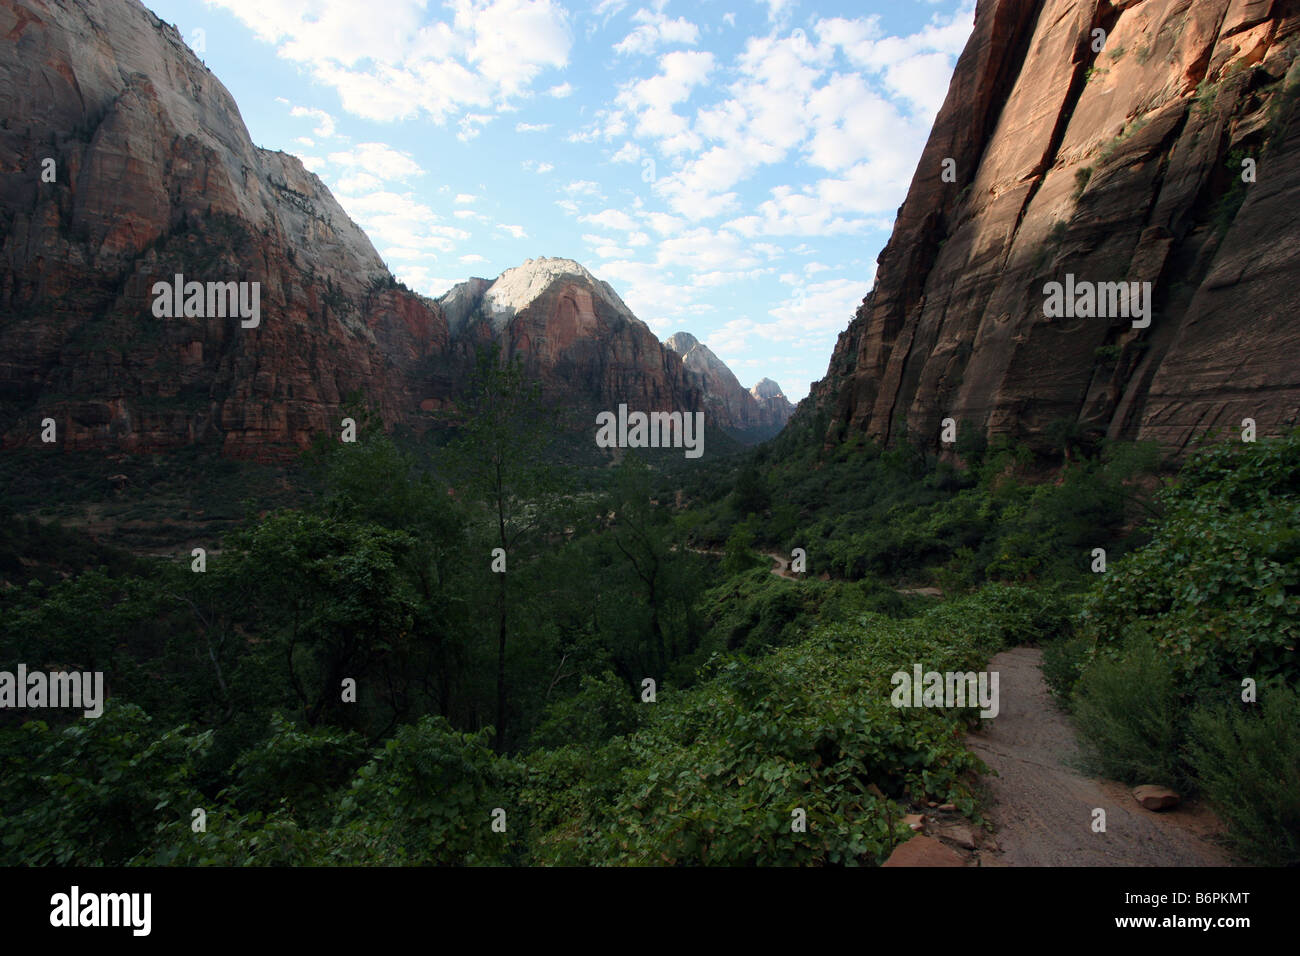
(1123, 164)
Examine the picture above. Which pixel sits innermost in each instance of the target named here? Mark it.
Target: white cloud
(379, 160)
(612, 219)
(650, 101)
(406, 62)
(420, 279)
(703, 248)
(583, 187)
(629, 152)
(532, 127)
(664, 224)
(464, 199)
(720, 277)
(325, 126)
(471, 124)
(402, 221)
(358, 182)
(816, 311)
(656, 30)
(776, 9)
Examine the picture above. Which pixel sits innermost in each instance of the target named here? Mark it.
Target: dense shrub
(1063, 664)
(1131, 717)
(714, 772)
(1246, 759)
(1218, 586)
(94, 792)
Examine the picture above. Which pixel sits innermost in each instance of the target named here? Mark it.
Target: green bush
(94, 792)
(1063, 664)
(428, 798)
(296, 768)
(713, 773)
(1246, 759)
(1131, 718)
(1218, 586)
(604, 707)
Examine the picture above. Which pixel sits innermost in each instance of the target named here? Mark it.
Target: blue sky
(731, 167)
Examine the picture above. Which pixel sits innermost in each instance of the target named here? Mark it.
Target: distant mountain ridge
(724, 396)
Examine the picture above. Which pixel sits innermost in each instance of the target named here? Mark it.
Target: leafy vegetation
(639, 687)
(1189, 671)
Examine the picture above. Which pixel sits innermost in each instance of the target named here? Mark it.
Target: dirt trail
(780, 565)
(1043, 808)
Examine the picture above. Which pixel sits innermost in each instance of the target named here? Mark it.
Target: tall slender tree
(501, 458)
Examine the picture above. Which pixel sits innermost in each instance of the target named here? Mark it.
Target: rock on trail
(1042, 807)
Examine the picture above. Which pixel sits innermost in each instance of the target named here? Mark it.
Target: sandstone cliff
(1119, 165)
(572, 332)
(772, 403)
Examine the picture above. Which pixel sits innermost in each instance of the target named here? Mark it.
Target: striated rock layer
(724, 397)
(1119, 165)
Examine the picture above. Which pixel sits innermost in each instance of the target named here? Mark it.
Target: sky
(731, 167)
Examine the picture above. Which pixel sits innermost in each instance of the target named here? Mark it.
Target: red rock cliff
(1119, 165)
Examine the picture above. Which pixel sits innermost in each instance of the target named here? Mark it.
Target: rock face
(1124, 165)
(772, 402)
(724, 396)
(574, 333)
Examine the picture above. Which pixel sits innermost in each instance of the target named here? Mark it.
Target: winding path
(1042, 807)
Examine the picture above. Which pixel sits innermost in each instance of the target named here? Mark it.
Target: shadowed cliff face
(1123, 165)
(574, 334)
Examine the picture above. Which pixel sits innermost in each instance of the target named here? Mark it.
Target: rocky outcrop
(575, 334)
(773, 406)
(1119, 165)
(125, 163)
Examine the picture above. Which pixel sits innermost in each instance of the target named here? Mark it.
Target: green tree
(377, 481)
(331, 595)
(501, 462)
